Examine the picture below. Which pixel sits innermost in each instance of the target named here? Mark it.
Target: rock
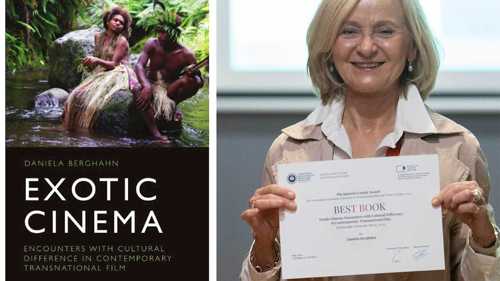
(65, 55)
(54, 97)
(49, 104)
(120, 117)
(133, 59)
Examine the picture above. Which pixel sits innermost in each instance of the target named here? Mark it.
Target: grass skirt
(87, 99)
(164, 107)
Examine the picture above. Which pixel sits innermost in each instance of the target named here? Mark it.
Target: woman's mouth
(367, 65)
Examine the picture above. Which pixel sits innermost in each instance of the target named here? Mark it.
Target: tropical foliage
(148, 15)
(32, 25)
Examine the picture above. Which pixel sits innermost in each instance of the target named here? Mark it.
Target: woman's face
(116, 23)
(373, 46)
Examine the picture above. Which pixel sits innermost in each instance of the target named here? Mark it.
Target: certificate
(361, 216)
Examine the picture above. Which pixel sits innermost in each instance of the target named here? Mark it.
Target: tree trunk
(27, 20)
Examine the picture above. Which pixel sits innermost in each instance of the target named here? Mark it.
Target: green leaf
(49, 22)
(27, 26)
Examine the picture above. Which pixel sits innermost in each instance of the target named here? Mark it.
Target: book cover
(106, 108)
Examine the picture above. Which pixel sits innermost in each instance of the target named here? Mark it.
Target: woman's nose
(367, 47)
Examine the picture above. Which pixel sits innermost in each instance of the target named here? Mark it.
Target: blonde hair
(323, 32)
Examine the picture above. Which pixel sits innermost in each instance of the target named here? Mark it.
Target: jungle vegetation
(32, 25)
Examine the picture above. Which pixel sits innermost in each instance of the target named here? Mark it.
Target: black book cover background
(181, 209)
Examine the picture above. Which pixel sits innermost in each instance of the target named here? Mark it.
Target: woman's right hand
(263, 217)
(89, 61)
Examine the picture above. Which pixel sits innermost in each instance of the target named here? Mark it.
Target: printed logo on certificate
(361, 216)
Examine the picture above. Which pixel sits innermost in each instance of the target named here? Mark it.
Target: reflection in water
(26, 126)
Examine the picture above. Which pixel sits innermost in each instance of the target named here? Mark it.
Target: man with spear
(173, 76)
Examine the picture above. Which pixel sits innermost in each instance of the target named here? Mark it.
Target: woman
(110, 72)
(372, 75)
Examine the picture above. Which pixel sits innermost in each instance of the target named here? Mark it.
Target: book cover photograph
(106, 117)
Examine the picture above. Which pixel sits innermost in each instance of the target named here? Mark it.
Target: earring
(333, 75)
(331, 68)
(410, 66)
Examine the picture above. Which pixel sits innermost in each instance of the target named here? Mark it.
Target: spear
(194, 67)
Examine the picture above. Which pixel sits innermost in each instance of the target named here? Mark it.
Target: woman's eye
(348, 31)
(385, 32)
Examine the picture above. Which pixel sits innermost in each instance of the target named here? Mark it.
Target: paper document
(361, 216)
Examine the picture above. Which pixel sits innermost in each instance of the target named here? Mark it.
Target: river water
(27, 127)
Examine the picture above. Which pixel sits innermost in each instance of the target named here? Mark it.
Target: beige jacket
(460, 159)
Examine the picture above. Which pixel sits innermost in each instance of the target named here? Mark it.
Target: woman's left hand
(466, 201)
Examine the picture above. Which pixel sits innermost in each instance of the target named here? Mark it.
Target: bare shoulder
(150, 44)
(187, 51)
(122, 41)
(187, 54)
